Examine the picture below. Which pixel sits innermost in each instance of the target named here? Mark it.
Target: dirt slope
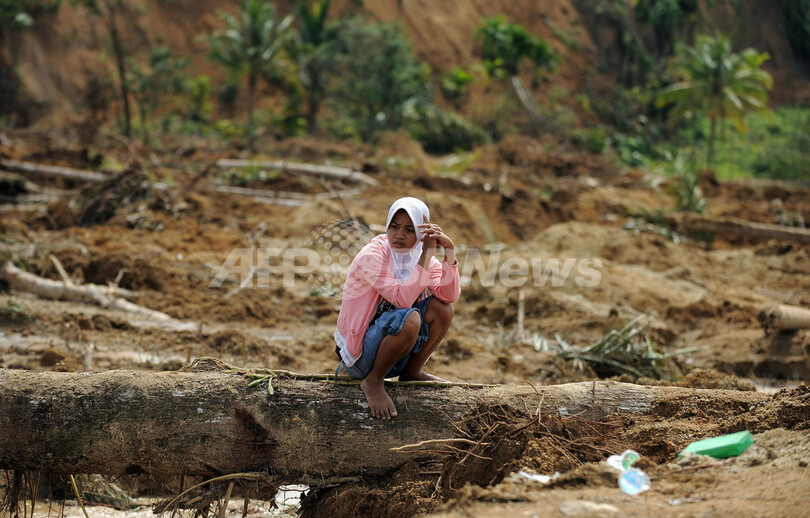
(66, 71)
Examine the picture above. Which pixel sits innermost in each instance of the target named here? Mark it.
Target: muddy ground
(518, 202)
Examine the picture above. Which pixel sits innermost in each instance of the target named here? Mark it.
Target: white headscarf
(405, 262)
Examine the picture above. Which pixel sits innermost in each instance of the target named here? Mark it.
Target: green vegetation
(590, 139)
(149, 85)
(688, 196)
(378, 76)
(782, 145)
(775, 145)
(314, 54)
(21, 13)
(504, 46)
(199, 91)
(249, 45)
(455, 84)
(441, 132)
(716, 83)
(352, 77)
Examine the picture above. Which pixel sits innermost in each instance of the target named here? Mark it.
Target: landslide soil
(513, 202)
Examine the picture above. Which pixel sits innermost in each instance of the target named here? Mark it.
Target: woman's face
(401, 232)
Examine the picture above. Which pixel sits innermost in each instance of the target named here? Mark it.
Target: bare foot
(420, 376)
(381, 405)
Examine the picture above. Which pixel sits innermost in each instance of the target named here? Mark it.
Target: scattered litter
(632, 480)
(534, 477)
(623, 461)
(721, 447)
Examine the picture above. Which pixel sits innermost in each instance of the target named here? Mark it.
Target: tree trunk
(120, 61)
(525, 97)
(250, 93)
(712, 135)
(313, 107)
(210, 423)
(743, 228)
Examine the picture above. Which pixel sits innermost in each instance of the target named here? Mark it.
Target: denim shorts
(389, 323)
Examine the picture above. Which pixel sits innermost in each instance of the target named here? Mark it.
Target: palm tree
(249, 44)
(717, 83)
(311, 51)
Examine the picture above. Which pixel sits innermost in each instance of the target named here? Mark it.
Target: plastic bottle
(623, 461)
(633, 481)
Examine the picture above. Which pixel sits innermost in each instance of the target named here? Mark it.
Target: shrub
(589, 139)
(455, 84)
(20, 13)
(228, 129)
(379, 75)
(440, 131)
(632, 150)
(689, 196)
(786, 164)
(200, 89)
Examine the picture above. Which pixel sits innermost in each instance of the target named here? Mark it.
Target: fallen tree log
(68, 173)
(784, 317)
(110, 297)
(742, 228)
(210, 423)
(324, 171)
(285, 198)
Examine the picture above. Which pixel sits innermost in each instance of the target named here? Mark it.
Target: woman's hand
(433, 235)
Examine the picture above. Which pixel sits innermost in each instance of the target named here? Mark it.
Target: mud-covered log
(213, 423)
(285, 198)
(325, 171)
(67, 173)
(738, 227)
(784, 317)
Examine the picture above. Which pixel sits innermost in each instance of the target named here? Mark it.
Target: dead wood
(738, 227)
(210, 423)
(338, 173)
(110, 297)
(783, 316)
(285, 198)
(67, 173)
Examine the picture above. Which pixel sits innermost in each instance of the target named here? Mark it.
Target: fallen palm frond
(626, 351)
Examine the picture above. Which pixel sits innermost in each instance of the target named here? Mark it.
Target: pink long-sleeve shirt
(371, 279)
